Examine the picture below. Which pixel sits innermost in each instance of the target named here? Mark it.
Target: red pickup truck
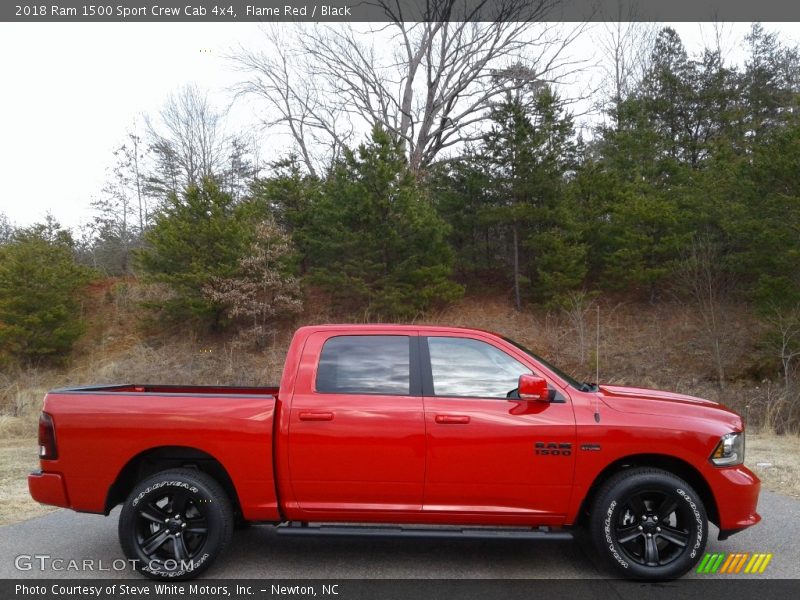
(437, 430)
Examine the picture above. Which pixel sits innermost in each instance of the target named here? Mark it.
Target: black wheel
(649, 524)
(175, 523)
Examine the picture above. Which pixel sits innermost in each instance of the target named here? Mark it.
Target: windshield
(584, 387)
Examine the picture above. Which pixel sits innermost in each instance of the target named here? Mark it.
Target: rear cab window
(365, 364)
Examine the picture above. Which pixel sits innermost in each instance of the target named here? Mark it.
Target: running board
(483, 533)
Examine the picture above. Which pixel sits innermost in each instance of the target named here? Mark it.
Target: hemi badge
(590, 447)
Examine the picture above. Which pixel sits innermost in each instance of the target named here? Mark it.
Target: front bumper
(48, 488)
(736, 491)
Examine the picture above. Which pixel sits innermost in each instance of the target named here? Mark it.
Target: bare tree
(703, 277)
(6, 229)
(313, 121)
(113, 225)
(189, 142)
(134, 155)
(86, 247)
(576, 306)
(722, 41)
(624, 45)
(426, 83)
(784, 340)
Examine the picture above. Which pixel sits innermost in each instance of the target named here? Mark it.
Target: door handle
(452, 419)
(316, 416)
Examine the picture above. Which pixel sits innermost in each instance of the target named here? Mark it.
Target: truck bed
(128, 425)
(158, 389)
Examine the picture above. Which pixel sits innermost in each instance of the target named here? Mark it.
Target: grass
(17, 459)
(776, 461)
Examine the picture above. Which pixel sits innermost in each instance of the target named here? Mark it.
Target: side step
(417, 531)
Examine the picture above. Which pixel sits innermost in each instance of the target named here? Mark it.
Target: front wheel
(175, 523)
(649, 524)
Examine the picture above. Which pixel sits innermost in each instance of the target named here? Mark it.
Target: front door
(490, 454)
(356, 429)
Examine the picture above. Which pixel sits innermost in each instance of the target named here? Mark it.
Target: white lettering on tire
(181, 567)
(609, 538)
(697, 518)
(161, 484)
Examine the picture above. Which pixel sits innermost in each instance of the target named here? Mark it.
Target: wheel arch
(671, 464)
(160, 458)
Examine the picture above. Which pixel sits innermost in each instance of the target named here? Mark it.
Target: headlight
(729, 451)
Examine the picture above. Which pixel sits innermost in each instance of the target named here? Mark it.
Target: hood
(611, 392)
(657, 402)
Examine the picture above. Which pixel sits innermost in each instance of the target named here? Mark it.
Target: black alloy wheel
(652, 528)
(649, 524)
(174, 524)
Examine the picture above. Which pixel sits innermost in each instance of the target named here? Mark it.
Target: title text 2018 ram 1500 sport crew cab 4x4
(401, 425)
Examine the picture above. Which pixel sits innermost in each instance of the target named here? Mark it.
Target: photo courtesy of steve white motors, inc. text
(215, 590)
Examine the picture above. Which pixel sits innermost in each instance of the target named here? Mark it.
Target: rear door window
(365, 364)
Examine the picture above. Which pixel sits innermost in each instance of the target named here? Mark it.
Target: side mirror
(533, 388)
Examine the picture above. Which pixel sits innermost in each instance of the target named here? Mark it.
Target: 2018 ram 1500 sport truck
(402, 425)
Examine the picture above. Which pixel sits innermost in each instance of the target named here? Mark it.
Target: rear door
(506, 459)
(356, 429)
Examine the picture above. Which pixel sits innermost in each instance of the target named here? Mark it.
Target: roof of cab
(394, 327)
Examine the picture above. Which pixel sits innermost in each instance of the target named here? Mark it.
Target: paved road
(258, 552)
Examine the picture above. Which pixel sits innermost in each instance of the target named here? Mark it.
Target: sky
(70, 91)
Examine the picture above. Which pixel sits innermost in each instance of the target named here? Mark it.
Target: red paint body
(294, 454)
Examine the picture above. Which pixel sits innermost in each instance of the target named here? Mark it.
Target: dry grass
(657, 346)
(17, 459)
(640, 344)
(116, 350)
(776, 461)
(188, 361)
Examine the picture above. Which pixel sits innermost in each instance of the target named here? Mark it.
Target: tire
(164, 547)
(649, 524)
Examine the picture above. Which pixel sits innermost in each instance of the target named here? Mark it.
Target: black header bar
(190, 11)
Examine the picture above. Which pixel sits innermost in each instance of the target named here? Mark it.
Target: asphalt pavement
(258, 552)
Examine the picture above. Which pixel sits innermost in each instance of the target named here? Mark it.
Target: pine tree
(39, 294)
(527, 156)
(196, 237)
(289, 196)
(460, 192)
(375, 242)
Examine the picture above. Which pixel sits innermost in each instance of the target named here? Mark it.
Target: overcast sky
(69, 93)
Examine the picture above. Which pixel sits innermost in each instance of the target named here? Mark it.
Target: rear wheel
(649, 524)
(175, 523)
